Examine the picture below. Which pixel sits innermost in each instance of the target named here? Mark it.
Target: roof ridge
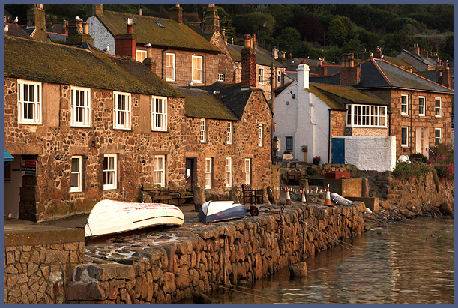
(381, 71)
(415, 74)
(136, 15)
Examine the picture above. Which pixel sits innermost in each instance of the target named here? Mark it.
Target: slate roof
(16, 30)
(378, 73)
(157, 31)
(263, 56)
(55, 63)
(199, 103)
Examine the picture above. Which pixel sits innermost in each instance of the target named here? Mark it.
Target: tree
(289, 39)
(340, 30)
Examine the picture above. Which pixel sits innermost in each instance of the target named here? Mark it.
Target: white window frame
(155, 114)
(261, 72)
(162, 171)
(278, 77)
(113, 185)
(437, 129)
(247, 167)
(194, 68)
(172, 79)
(260, 135)
(79, 188)
(203, 130)
(37, 102)
(436, 99)
(228, 172)
(144, 54)
(407, 105)
(424, 106)
(366, 115)
(405, 145)
(208, 172)
(128, 111)
(229, 133)
(221, 77)
(86, 108)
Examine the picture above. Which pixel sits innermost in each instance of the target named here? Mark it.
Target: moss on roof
(202, 104)
(157, 31)
(349, 93)
(262, 56)
(55, 63)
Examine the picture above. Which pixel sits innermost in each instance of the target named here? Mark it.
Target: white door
(426, 142)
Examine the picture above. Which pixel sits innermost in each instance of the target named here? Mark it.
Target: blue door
(338, 150)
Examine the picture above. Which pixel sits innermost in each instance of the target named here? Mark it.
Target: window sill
(422, 115)
(404, 114)
(197, 82)
(76, 191)
(81, 126)
(122, 128)
(160, 130)
(438, 116)
(109, 188)
(29, 123)
(404, 146)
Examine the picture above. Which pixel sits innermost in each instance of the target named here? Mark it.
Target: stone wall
(204, 258)
(244, 145)
(39, 262)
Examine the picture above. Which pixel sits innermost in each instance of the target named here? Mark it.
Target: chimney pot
(140, 12)
(130, 28)
(247, 41)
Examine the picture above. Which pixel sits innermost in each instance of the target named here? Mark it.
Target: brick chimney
(126, 44)
(179, 11)
(350, 73)
(78, 32)
(98, 9)
(323, 67)
(36, 18)
(444, 75)
(248, 55)
(211, 20)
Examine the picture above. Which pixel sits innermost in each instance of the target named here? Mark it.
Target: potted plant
(316, 160)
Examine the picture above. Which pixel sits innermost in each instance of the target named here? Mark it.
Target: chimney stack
(275, 53)
(303, 76)
(417, 49)
(211, 20)
(98, 9)
(77, 32)
(65, 27)
(248, 56)
(445, 77)
(283, 55)
(36, 18)
(323, 67)
(350, 74)
(179, 11)
(378, 53)
(126, 44)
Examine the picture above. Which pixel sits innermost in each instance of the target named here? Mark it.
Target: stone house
(308, 115)
(113, 126)
(420, 110)
(230, 58)
(180, 55)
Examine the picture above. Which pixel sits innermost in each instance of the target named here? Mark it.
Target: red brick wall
(183, 65)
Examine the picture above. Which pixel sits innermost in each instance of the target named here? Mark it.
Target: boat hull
(109, 217)
(221, 211)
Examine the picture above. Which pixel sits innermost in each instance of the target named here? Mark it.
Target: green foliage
(409, 170)
(289, 39)
(418, 158)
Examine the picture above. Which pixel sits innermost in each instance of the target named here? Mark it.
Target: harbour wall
(208, 257)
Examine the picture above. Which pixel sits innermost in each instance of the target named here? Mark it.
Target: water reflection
(410, 262)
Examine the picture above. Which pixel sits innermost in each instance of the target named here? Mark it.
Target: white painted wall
(102, 37)
(306, 118)
(371, 152)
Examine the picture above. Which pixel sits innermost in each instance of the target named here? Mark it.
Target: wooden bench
(252, 196)
(163, 195)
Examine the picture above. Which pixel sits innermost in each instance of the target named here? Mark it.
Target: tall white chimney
(303, 73)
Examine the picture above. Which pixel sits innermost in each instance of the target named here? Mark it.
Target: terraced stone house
(178, 54)
(83, 125)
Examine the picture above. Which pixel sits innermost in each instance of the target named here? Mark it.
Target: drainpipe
(329, 135)
(411, 122)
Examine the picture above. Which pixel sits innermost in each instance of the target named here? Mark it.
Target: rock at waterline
(298, 270)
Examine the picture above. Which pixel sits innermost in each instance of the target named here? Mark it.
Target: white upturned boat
(109, 216)
(213, 211)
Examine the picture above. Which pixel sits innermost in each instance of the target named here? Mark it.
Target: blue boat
(213, 211)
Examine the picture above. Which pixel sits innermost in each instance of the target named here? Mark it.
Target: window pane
(74, 180)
